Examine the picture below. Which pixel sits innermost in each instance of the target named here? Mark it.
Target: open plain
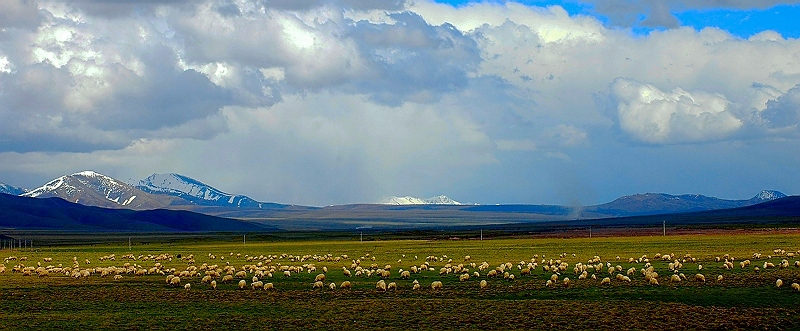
(690, 281)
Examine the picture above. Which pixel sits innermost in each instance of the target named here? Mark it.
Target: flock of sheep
(263, 272)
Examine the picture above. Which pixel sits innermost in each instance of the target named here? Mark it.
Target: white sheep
(269, 286)
(796, 287)
(605, 281)
(320, 278)
(436, 285)
(392, 286)
(242, 284)
(188, 286)
(719, 278)
(345, 285)
(213, 284)
(484, 284)
(700, 278)
(778, 283)
(175, 281)
(463, 277)
(257, 285)
(381, 285)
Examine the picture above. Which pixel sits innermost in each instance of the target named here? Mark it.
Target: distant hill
(659, 203)
(57, 214)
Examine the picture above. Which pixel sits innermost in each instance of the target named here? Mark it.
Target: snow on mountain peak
(408, 200)
(193, 190)
(10, 189)
(768, 195)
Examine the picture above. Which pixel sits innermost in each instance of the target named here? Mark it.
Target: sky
(320, 102)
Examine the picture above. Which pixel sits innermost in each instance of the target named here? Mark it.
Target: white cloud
(655, 116)
(353, 100)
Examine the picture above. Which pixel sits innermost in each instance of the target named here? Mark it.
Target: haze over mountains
(178, 192)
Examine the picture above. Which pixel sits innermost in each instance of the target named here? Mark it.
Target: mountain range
(17, 212)
(178, 192)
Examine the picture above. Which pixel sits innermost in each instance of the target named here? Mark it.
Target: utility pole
(129, 243)
(362, 236)
(590, 232)
(244, 239)
(481, 234)
(665, 228)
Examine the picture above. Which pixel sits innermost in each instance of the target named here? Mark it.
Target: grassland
(743, 299)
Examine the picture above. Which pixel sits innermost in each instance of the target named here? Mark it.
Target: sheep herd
(340, 272)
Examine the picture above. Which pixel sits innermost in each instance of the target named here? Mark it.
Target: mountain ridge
(11, 189)
(195, 191)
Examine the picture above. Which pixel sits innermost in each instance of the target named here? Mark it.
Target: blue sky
(324, 102)
(741, 22)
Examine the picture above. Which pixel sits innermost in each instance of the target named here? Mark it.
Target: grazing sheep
(206, 279)
(405, 274)
(675, 278)
(287, 273)
(463, 277)
(391, 287)
(796, 287)
(381, 285)
(227, 278)
(317, 284)
(332, 286)
(436, 285)
(566, 282)
(320, 278)
(346, 272)
(213, 284)
(700, 278)
(778, 283)
(653, 281)
(719, 278)
(605, 281)
(117, 277)
(415, 287)
(175, 281)
(346, 285)
(242, 284)
(269, 286)
(257, 285)
(188, 286)
(484, 284)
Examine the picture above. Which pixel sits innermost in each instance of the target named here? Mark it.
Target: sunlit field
(686, 282)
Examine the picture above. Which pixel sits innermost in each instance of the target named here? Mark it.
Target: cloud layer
(322, 102)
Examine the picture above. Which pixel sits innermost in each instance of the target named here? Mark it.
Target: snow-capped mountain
(407, 200)
(94, 189)
(767, 195)
(9, 189)
(194, 191)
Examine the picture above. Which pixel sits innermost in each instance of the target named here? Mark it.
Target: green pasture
(743, 299)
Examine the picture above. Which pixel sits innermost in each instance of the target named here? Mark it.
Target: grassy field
(743, 299)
